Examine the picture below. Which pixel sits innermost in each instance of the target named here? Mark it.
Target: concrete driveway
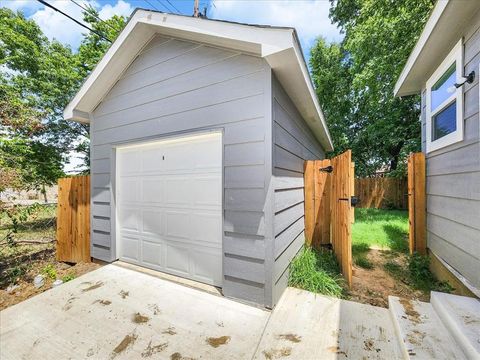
(119, 313)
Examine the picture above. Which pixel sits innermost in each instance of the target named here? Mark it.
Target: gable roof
(279, 46)
(446, 25)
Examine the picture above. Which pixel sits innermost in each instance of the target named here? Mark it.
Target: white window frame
(455, 56)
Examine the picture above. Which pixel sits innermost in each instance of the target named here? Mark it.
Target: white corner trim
(432, 21)
(455, 56)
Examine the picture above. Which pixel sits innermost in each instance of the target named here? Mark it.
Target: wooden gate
(329, 186)
(417, 204)
(73, 219)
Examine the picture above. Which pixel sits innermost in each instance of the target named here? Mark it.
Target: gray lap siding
(453, 180)
(175, 87)
(293, 142)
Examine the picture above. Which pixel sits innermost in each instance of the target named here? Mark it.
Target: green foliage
(355, 81)
(41, 77)
(363, 262)
(50, 272)
(316, 271)
(70, 276)
(386, 229)
(417, 274)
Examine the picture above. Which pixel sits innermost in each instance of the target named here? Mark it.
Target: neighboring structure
(447, 51)
(199, 131)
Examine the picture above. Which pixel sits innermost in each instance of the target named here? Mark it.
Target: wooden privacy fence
(329, 186)
(417, 209)
(73, 219)
(382, 192)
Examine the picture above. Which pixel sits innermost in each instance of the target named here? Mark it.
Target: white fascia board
(445, 27)
(278, 46)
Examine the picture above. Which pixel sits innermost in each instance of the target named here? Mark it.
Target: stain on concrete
(178, 356)
(103, 302)
(368, 344)
(216, 342)
(290, 337)
(90, 352)
(92, 286)
(412, 314)
(219, 323)
(127, 341)
(154, 309)
(68, 305)
(153, 349)
(139, 318)
(123, 293)
(277, 353)
(337, 350)
(170, 331)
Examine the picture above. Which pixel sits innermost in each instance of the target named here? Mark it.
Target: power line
(95, 16)
(75, 20)
(178, 11)
(149, 3)
(164, 6)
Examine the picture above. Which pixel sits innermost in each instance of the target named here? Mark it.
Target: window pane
(445, 122)
(440, 89)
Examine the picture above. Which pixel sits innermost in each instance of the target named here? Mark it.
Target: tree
(379, 35)
(40, 79)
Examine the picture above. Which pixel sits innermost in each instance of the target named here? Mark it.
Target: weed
(70, 276)
(394, 269)
(363, 262)
(316, 271)
(12, 274)
(50, 271)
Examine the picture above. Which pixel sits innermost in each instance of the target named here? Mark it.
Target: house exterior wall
(176, 87)
(293, 142)
(453, 178)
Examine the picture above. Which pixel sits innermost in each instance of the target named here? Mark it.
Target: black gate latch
(353, 200)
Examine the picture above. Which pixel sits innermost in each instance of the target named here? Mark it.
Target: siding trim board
(453, 176)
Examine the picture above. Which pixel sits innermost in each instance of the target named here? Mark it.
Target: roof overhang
(279, 46)
(445, 26)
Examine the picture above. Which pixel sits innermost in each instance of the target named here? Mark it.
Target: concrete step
(311, 326)
(421, 332)
(461, 316)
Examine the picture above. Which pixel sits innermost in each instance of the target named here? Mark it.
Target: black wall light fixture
(468, 79)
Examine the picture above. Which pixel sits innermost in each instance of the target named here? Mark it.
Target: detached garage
(199, 129)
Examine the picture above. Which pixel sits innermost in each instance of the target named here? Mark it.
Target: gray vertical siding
(293, 142)
(177, 86)
(453, 180)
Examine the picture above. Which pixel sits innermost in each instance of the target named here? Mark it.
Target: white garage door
(169, 206)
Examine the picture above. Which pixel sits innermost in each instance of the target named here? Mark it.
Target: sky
(309, 17)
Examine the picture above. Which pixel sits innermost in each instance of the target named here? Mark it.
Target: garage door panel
(152, 190)
(152, 222)
(175, 259)
(207, 227)
(169, 206)
(152, 253)
(128, 218)
(205, 190)
(130, 248)
(177, 224)
(178, 191)
(205, 265)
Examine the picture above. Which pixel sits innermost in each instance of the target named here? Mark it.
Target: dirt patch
(127, 341)
(35, 265)
(416, 337)
(374, 286)
(336, 350)
(139, 318)
(92, 286)
(154, 309)
(412, 314)
(290, 337)
(153, 349)
(216, 342)
(123, 294)
(277, 353)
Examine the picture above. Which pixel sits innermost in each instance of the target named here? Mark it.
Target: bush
(316, 271)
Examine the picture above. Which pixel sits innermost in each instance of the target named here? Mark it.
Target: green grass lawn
(382, 229)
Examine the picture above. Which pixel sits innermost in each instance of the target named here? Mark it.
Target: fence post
(417, 204)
